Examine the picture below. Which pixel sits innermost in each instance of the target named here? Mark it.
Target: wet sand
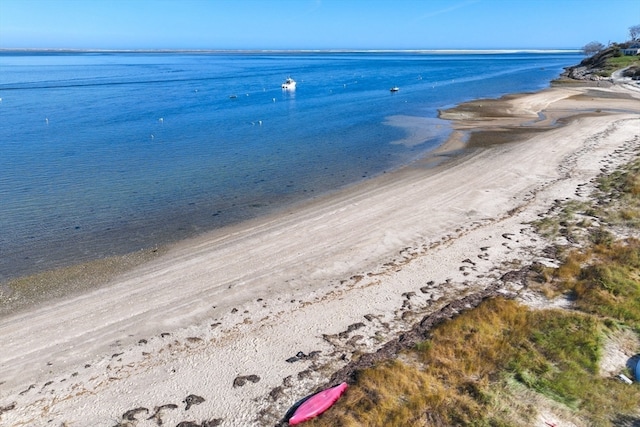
(253, 317)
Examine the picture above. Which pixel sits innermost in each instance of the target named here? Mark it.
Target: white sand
(242, 300)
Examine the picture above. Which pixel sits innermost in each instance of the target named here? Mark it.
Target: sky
(314, 24)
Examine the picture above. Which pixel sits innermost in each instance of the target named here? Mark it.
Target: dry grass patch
(473, 367)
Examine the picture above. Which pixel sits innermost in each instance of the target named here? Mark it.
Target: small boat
(289, 84)
(314, 405)
(394, 89)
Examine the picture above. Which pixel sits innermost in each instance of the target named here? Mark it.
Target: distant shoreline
(288, 51)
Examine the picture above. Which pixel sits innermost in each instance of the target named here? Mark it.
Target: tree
(634, 32)
(592, 48)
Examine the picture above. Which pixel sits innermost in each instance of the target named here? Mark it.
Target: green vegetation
(498, 364)
(475, 366)
(602, 62)
(614, 63)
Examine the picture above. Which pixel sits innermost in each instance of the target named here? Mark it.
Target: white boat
(394, 89)
(289, 84)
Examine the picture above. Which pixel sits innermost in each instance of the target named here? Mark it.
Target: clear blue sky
(314, 24)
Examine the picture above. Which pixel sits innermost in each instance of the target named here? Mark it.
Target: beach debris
(131, 414)
(164, 334)
(276, 393)
(301, 356)
(242, 380)
(350, 329)
(157, 412)
(9, 407)
(210, 423)
(28, 388)
(625, 379)
(191, 400)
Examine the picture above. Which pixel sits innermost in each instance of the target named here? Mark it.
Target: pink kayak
(317, 404)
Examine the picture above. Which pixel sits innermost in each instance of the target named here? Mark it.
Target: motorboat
(289, 84)
(394, 89)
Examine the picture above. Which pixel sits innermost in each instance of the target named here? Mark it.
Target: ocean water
(108, 153)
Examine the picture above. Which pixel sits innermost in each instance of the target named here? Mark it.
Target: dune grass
(470, 369)
(499, 364)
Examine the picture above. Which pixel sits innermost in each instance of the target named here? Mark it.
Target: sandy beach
(233, 327)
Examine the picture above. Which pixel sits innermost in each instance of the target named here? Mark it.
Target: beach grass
(615, 63)
(505, 364)
(473, 367)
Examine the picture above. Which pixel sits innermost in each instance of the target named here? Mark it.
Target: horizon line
(442, 51)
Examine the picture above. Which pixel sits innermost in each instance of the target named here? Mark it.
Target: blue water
(103, 154)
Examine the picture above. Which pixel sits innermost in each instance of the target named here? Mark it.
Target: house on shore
(632, 49)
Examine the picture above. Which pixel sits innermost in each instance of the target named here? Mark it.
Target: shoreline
(321, 283)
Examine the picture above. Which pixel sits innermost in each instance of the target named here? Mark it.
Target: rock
(191, 400)
(242, 380)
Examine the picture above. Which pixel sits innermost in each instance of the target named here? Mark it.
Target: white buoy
(260, 122)
(625, 379)
(161, 120)
(46, 120)
(273, 99)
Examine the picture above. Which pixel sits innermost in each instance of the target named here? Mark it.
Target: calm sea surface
(103, 154)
